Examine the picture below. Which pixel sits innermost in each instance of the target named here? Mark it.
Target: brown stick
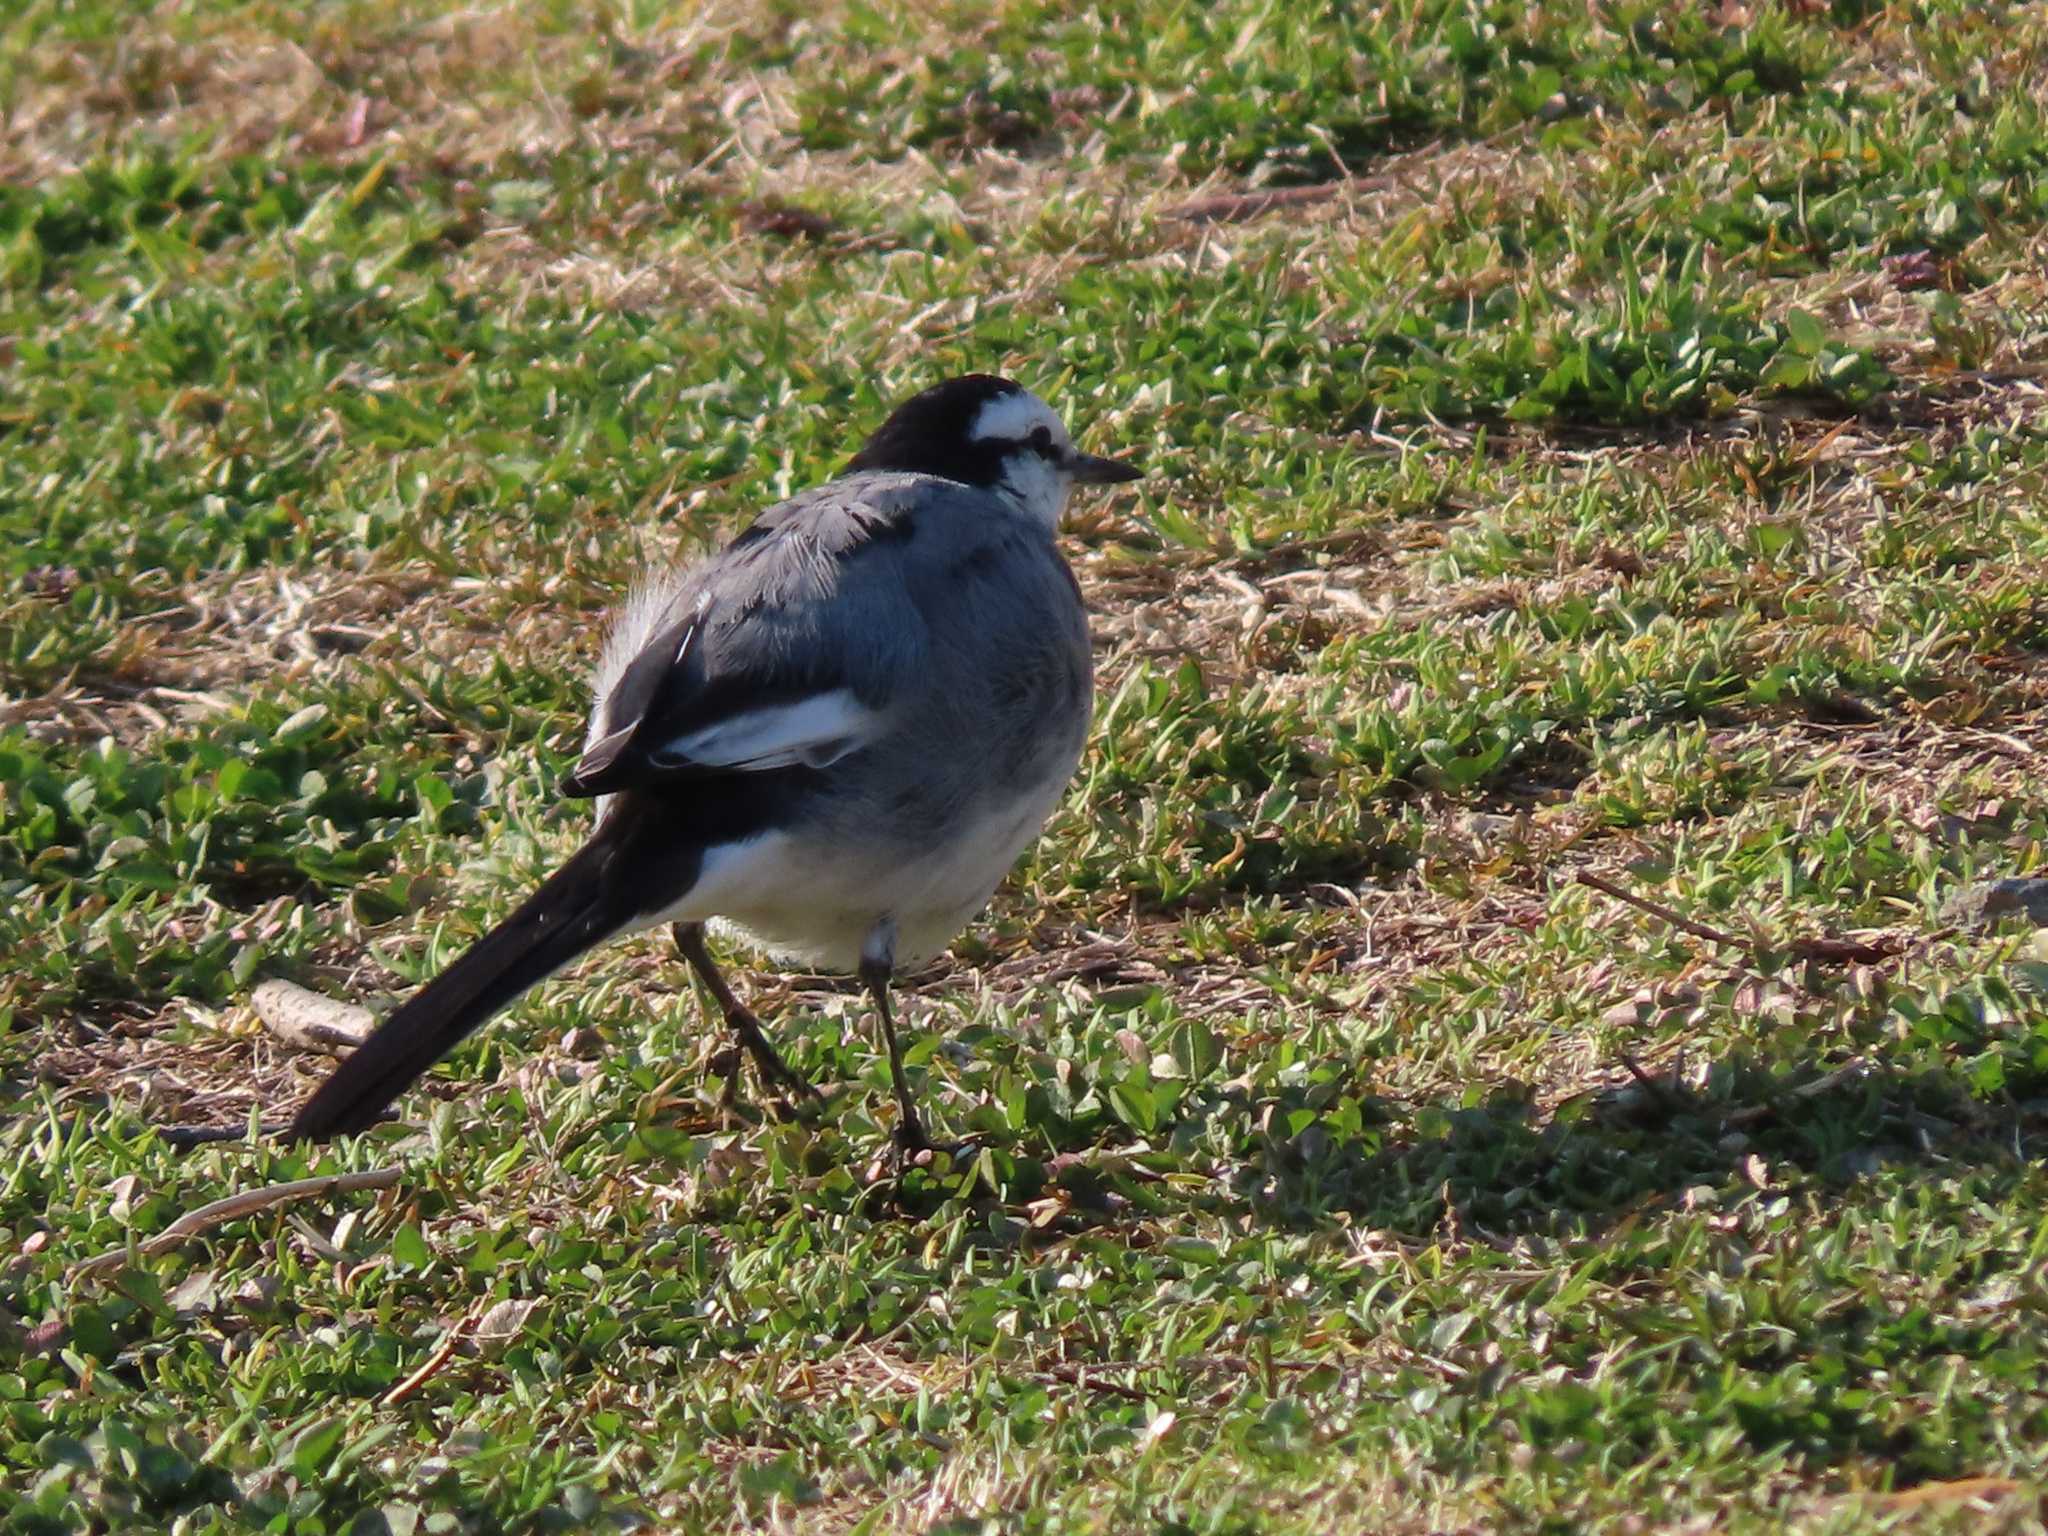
(247, 1203)
(1849, 951)
(1224, 207)
(431, 1366)
(1084, 1377)
(1848, 1071)
(1227, 207)
(183, 1138)
(1676, 919)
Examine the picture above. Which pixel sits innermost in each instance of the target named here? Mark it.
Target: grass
(1584, 439)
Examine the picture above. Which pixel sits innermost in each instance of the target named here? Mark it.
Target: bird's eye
(1041, 439)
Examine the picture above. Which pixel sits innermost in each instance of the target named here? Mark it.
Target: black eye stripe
(1041, 439)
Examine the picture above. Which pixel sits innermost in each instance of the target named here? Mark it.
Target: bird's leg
(739, 1018)
(877, 964)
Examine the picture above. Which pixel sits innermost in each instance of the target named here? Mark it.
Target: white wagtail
(833, 738)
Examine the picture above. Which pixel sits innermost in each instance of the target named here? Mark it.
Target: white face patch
(1016, 417)
(1036, 485)
(1034, 481)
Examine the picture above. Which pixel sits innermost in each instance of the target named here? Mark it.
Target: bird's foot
(725, 1066)
(734, 1107)
(801, 1098)
(775, 1073)
(787, 1093)
(914, 1149)
(887, 1176)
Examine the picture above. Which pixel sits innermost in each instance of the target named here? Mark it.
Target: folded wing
(783, 652)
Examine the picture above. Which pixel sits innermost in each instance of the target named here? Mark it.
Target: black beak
(1089, 469)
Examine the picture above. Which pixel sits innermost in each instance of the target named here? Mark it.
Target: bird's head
(985, 431)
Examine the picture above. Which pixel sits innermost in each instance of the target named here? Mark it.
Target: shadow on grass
(1502, 1169)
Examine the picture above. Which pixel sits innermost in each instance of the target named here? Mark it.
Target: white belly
(813, 902)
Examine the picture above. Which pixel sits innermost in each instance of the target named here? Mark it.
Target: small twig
(1670, 1102)
(1228, 207)
(1850, 951)
(1848, 1071)
(1676, 919)
(182, 1138)
(247, 1203)
(432, 1365)
(1854, 1067)
(1240, 1363)
(1223, 207)
(309, 1020)
(1979, 1492)
(1079, 1376)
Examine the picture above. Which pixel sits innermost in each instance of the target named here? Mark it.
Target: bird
(829, 740)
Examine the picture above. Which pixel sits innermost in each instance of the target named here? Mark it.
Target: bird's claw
(798, 1098)
(914, 1149)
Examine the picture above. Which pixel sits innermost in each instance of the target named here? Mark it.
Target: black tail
(575, 908)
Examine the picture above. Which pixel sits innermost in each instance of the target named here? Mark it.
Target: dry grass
(1468, 1197)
